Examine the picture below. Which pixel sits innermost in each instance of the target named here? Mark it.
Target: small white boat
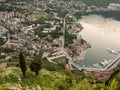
(108, 49)
(113, 52)
(84, 65)
(109, 61)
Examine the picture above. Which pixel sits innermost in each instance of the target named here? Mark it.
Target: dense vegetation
(1, 41)
(54, 80)
(69, 38)
(35, 65)
(99, 3)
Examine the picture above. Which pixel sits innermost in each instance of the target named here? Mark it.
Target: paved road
(56, 57)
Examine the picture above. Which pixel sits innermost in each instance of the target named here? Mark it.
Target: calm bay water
(106, 14)
(102, 33)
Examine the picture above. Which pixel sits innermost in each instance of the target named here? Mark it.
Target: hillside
(11, 78)
(100, 3)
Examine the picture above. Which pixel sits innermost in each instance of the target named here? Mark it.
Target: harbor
(103, 57)
(103, 37)
(102, 64)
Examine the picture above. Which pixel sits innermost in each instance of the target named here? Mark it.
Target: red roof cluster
(99, 75)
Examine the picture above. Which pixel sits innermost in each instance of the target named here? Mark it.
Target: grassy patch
(39, 15)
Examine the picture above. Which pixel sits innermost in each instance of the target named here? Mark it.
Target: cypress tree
(22, 63)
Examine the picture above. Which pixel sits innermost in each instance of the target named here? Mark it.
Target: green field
(39, 15)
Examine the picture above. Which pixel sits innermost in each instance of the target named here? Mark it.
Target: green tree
(82, 85)
(35, 65)
(22, 63)
(113, 85)
(1, 41)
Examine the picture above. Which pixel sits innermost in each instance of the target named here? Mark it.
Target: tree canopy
(22, 63)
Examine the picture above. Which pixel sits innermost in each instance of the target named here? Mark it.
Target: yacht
(96, 65)
(84, 65)
(118, 51)
(104, 62)
(112, 51)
